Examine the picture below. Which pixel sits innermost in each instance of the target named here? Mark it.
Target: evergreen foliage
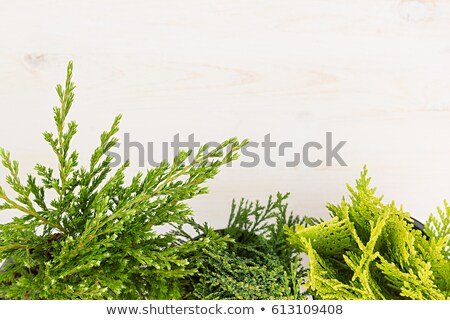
(438, 228)
(86, 234)
(250, 258)
(370, 250)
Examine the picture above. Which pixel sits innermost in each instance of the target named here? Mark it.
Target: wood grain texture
(375, 73)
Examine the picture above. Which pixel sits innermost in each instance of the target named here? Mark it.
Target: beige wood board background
(375, 73)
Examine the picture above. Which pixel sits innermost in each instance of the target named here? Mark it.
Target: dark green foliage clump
(86, 234)
(370, 250)
(250, 258)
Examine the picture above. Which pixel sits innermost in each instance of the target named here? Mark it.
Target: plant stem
(32, 213)
(14, 246)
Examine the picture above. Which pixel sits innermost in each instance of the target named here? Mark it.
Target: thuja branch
(176, 171)
(33, 213)
(66, 97)
(99, 239)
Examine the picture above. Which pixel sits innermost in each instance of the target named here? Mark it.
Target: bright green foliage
(85, 234)
(249, 259)
(438, 228)
(370, 250)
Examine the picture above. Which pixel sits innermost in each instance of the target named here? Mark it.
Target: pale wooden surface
(375, 73)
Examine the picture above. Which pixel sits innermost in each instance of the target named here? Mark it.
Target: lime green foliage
(438, 228)
(370, 250)
(85, 234)
(249, 259)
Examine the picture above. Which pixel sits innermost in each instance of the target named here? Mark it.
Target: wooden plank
(375, 73)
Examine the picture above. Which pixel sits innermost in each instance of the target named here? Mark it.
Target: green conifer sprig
(96, 239)
(250, 258)
(438, 228)
(370, 250)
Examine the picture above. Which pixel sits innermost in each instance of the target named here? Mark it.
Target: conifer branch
(99, 239)
(33, 213)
